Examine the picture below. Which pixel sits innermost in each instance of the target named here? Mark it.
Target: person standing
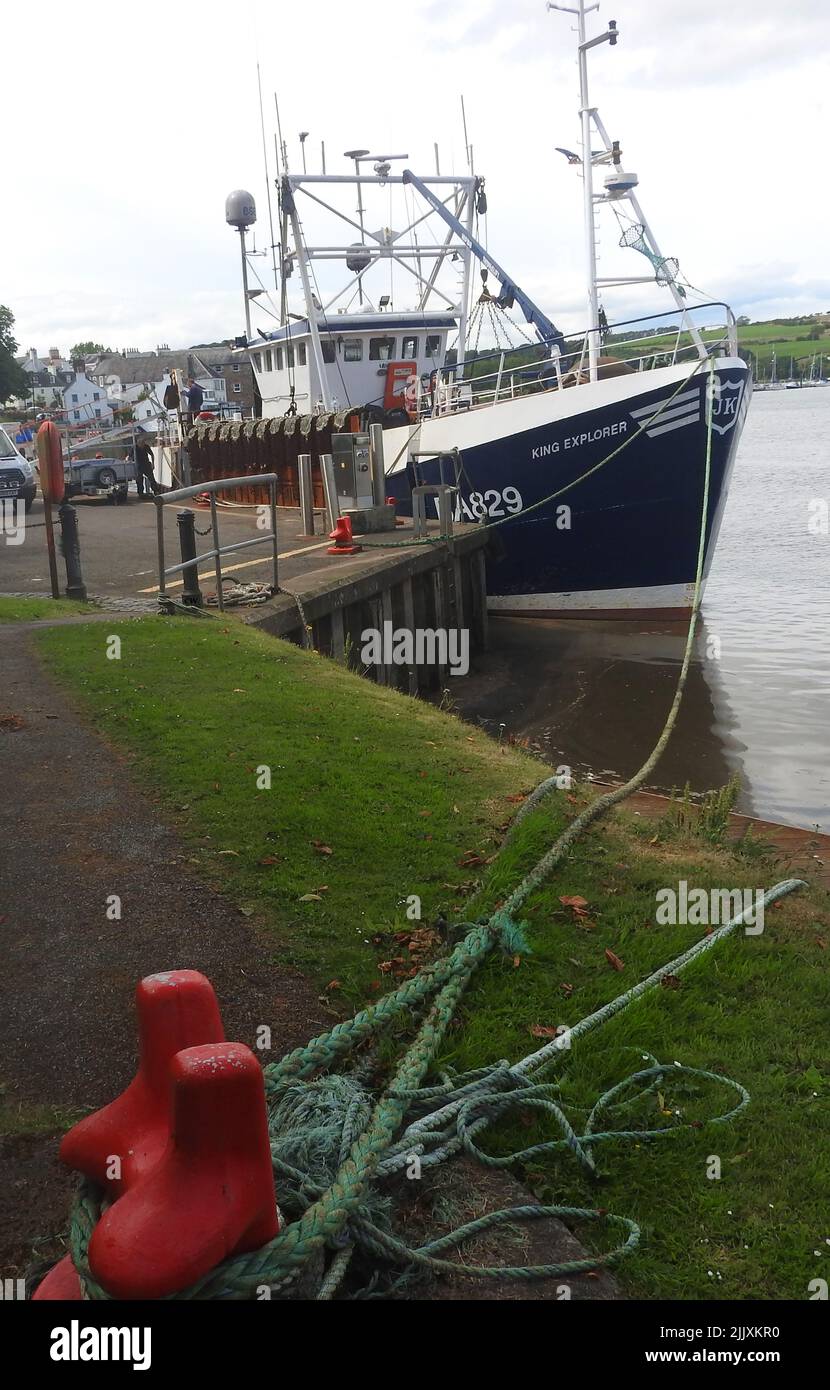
(144, 470)
(195, 397)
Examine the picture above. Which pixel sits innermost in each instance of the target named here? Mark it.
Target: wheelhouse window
(279, 359)
(329, 354)
(301, 354)
(268, 361)
(433, 345)
(381, 349)
(409, 348)
(289, 353)
(352, 349)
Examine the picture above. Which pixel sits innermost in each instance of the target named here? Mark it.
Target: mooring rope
(316, 1117)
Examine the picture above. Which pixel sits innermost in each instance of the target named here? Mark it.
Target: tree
(89, 349)
(13, 379)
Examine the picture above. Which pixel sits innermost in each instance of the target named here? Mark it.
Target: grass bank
(30, 610)
(375, 798)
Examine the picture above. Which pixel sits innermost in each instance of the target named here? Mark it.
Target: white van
(17, 476)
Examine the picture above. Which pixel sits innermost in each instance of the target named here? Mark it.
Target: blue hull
(623, 541)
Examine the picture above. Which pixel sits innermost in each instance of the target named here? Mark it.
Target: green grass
(200, 706)
(29, 610)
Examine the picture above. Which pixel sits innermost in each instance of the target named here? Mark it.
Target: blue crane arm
(547, 331)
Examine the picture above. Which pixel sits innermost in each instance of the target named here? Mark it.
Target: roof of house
(135, 367)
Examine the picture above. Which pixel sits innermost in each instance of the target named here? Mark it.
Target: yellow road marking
(244, 565)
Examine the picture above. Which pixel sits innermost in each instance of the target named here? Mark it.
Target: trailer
(100, 477)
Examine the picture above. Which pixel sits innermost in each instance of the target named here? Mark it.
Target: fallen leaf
(333, 984)
(311, 898)
(576, 904)
(228, 851)
(270, 859)
(424, 813)
(540, 1030)
(517, 797)
(669, 982)
(820, 941)
(567, 990)
(12, 722)
(614, 960)
(321, 848)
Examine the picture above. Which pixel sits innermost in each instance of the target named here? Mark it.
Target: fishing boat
(586, 451)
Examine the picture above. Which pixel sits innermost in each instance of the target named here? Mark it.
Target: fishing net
(666, 268)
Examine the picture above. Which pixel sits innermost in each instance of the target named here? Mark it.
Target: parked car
(17, 476)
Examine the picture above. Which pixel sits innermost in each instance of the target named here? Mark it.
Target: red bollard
(176, 1009)
(342, 537)
(210, 1196)
(61, 1284)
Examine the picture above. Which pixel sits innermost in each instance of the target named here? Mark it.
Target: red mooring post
(115, 1146)
(61, 1284)
(342, 537)
(210, 1195)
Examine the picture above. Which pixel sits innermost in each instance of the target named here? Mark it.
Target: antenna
(267, 178)
(466, 141)
(283, 146)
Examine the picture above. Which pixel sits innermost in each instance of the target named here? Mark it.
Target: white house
(85, 402)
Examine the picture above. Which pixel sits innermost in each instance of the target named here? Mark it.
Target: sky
(127, 126)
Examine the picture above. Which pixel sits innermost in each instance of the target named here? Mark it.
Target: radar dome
(240, 209)
(358, 257)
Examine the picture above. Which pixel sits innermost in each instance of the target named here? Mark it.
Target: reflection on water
(595, 695)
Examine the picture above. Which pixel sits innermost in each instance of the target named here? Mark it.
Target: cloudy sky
(126, 126)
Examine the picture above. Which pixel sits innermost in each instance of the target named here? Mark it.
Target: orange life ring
(50, 462)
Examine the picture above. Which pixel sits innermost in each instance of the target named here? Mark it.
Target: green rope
(331, 1142)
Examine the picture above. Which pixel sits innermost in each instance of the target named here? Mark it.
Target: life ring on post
(50, 462)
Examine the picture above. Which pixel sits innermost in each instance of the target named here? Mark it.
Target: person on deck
(144, 470)
(195, 396)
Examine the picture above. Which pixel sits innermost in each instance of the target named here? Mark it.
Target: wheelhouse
(382, 362)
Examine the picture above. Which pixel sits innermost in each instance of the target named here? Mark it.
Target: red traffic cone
(117, 1145)
(212, 1193)
(61, 1284)
(342, 537)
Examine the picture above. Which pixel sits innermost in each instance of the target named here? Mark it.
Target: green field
(376, 797)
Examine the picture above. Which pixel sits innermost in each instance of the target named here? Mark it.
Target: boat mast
(586, 113)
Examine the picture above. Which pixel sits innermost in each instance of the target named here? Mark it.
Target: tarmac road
(119, 555)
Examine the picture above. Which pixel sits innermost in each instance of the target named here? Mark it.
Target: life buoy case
(50, 460)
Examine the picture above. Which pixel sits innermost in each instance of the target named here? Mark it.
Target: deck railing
(469, 387)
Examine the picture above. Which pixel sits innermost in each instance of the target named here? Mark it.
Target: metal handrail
(211, 488)
(472, 389)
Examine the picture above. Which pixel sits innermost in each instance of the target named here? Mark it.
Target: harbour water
(594, 695)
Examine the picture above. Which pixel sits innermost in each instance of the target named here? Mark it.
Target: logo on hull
(672, 413)
(726, 397)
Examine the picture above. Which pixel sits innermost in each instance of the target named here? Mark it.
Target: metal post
(160, 541)
(588, 196)
(306, 494)
(330, 490)
(498, 379)
(68, 518)
(214, 523)
(50, 546)
(272, 498)
(245, 284)
(445, 511)
(191, 592)
(376, 460)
